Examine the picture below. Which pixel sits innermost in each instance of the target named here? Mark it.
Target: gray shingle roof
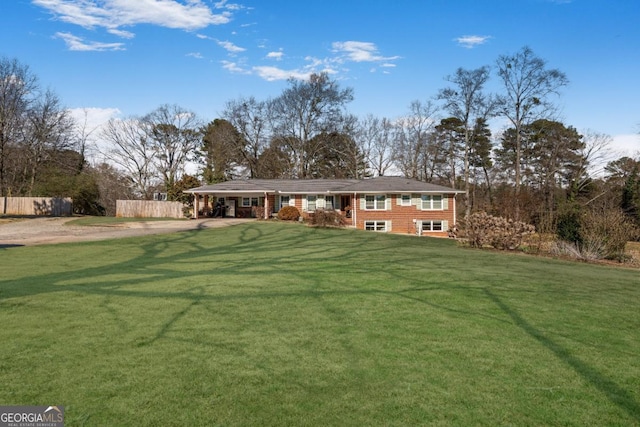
(382, 184)
(396, 184)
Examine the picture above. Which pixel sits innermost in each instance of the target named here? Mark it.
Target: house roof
(396, 184)
(382, 184)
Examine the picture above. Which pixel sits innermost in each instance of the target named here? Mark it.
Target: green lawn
(273, 324)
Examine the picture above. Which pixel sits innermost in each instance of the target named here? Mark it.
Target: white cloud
(230, 47)
(196, 55)
(78, 44)
(273, 73)
(359, 51)
(122, 33)
(233, 67)
(276, 55)
(472, 41)
(112, 15)
(626, 145)
(94, 116)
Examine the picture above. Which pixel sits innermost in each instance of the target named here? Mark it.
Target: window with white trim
(405, 200)
(375, 225)
(249, 201)
(432, 225)
(284, 201)
(311, 203)
(328, 202)
(375, 202)
(432, 202)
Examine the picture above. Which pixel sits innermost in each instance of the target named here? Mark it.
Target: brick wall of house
(402, 217)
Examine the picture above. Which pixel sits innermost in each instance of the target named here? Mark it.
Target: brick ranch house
(385, 204)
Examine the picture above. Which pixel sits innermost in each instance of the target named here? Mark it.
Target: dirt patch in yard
(42, 231)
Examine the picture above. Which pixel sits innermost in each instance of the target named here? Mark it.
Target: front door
(345, 202)
(230, 208)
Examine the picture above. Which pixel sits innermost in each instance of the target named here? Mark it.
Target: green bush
(328, 218)
(289, 213)
(568, 228)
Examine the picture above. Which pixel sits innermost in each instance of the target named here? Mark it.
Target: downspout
(353, 210)
(455, 220)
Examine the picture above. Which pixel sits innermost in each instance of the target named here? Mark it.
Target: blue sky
(127, 57)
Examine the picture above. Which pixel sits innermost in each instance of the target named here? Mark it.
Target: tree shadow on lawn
(616, 395)
(150, 265)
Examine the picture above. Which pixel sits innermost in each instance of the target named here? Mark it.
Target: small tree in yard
(483, 229)
(328, 218)
(606, 232)
(289, 213)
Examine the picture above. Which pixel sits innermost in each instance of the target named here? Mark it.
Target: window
(431, 202)
(249, 201)
(284, 201)
(432, 225)
(375, 202)
(328, 202)
(405, 200)
(311, 203)
(375, 225)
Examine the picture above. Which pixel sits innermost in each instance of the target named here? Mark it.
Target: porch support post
(354, 207)
(196, 205)
(266, 205)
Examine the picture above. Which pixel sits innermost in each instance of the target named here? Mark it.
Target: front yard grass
(275, 324)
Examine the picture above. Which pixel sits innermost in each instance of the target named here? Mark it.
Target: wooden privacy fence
(51, 206)
(148, 209)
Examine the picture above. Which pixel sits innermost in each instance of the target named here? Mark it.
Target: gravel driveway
(41, 231)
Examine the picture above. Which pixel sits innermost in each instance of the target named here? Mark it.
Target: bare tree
(18, 90)
(528, 85)
(174, 135)
(596, 151)
(48, 128)
(132, 151)
(467, 103)
(251, 119)
(375, 139)
(85, 136)
(307, 109)
(415, 133)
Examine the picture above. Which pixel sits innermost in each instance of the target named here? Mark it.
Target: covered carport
(234, 195)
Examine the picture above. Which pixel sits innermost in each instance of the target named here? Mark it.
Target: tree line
(537, 169)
